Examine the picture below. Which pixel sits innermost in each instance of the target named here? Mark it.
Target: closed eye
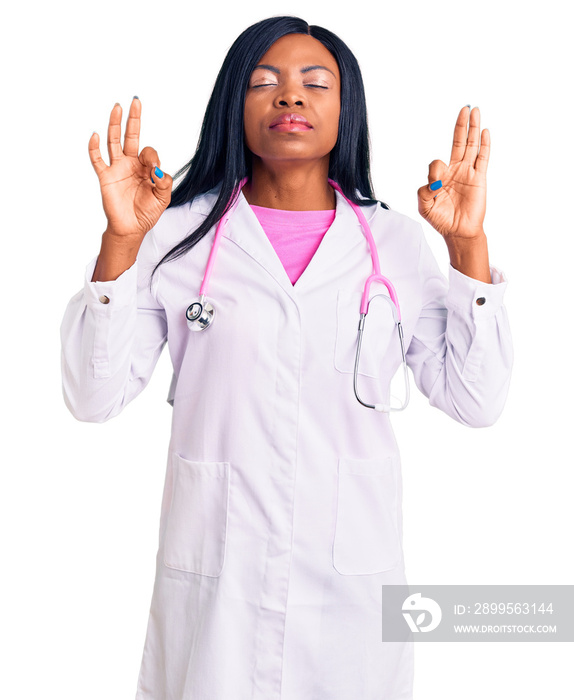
(323, 87)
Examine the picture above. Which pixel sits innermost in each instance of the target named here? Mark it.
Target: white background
(80, 502)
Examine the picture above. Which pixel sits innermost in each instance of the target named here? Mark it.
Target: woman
(281, 514)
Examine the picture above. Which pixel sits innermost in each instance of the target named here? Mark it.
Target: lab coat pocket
(366, 537)
(377, 334)
(196, 530)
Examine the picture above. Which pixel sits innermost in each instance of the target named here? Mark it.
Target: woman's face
(298, 76)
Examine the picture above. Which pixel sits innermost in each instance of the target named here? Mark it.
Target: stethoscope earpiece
(199, 315)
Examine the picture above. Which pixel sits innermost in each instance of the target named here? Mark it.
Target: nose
(290, 95)
(285, 102)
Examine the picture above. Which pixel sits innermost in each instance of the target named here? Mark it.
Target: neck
(295, 188)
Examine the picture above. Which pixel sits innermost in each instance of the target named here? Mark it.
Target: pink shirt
(295, 235)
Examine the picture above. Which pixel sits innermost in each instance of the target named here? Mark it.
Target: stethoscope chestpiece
(199, 315)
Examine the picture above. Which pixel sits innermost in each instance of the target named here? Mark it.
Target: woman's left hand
(456, 210)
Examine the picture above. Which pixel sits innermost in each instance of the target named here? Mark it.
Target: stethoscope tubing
(218, 232)
(376, 276)
(200, 314)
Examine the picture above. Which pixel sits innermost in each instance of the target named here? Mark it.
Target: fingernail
(136, 97)
(436, 185)
(467, 106)
(158, 173)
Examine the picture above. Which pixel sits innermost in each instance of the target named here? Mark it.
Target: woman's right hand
(132, 201)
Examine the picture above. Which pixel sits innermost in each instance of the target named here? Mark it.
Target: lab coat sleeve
(109, 350)
(461, 350)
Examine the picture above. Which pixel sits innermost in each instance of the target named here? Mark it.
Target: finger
(436, 176)
(473, 140)
(484, 155)
(132, 135)
(437, 171)
(460, 135)
(162, 185)
(149, 157)
(95, 156)
(114, 132)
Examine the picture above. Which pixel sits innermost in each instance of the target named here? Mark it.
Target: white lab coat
(281, 513)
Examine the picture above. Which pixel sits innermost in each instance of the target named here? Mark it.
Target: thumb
(162, 185)
(427, 193)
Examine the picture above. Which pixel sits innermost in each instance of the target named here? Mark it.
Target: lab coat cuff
(105, 297)
(474, 297)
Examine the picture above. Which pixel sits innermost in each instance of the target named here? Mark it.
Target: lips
(286, 119)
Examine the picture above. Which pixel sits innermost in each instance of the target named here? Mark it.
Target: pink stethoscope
(199, 314)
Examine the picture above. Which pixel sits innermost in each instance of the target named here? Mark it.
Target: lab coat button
(480, 301)
(104, 299)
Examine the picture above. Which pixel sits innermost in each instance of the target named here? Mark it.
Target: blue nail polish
(158, 173)
(436, 185)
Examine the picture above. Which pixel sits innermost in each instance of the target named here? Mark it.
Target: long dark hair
(221, 157)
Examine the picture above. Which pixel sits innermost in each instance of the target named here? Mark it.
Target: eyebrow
(273, 69)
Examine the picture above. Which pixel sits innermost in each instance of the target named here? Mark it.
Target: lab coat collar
(244, 229)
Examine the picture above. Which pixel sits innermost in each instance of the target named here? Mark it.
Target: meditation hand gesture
(454, 201)
(135, 192)
(133, 202)
(457, 208)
